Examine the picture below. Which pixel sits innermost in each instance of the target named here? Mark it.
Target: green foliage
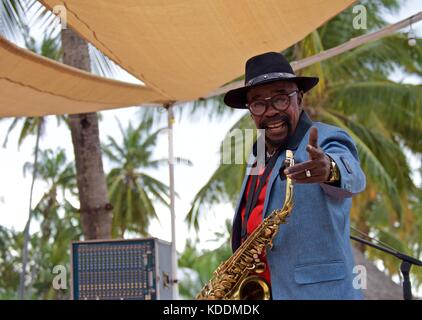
(224, 184)
(58, 225)
(9, 262)
(197, 266)
(132, 191)
(58, 220)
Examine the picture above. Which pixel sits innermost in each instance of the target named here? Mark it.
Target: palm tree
(95, 213)
(224, 184)
(383, 116)
(59, 221)
(131, 190)
(31, 125)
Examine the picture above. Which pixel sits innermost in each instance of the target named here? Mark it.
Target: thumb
(312, 147)
(313, 137)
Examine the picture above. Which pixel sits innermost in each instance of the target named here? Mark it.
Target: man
(311, 257)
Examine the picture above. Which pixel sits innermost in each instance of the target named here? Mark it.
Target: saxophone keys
(237, 270)
(226, 284)
(218, 294)
(268, 232)
(251, 267)
(248, 259)
(260, 267)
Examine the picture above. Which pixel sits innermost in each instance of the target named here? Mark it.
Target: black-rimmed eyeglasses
(280, 102)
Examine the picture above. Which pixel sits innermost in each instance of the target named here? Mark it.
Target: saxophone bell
(253, 288)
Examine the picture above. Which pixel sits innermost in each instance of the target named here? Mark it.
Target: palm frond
(382, 54)
(224, 184)
(370, 163)
(398, 106)
(101, 64)
(13, 18)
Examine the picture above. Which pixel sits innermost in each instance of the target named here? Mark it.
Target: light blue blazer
(312, 257)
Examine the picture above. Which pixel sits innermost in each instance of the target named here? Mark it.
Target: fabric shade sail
(31, 85)
(181, 49)
(185, 49)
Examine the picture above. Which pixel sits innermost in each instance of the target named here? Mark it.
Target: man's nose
(271, 111)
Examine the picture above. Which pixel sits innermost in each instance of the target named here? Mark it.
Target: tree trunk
(96, 215)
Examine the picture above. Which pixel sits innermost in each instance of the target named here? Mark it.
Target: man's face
(278, 125)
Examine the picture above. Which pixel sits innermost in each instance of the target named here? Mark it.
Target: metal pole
(175, 287)
(407, 262)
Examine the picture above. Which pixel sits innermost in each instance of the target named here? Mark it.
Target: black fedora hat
(265, 68)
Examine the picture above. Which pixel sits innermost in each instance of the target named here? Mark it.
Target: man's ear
(299, 98)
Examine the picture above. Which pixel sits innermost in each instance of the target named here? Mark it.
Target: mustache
(282, 118)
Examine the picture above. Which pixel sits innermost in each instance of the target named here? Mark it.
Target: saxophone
(235, 278)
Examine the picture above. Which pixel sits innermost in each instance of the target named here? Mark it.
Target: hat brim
(236, 98)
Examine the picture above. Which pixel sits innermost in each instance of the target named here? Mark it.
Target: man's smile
(276, 124)
(276, 129)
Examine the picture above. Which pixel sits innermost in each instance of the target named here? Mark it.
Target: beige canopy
(31, 85)
(186, 48)
(181, 49)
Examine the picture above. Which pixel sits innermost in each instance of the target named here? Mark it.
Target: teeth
(275, 125)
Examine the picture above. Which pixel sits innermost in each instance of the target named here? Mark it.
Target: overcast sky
(197, 140)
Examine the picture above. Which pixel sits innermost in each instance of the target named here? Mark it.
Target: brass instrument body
(231, 277)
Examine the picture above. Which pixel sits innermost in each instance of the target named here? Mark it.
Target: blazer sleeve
(341, 148)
